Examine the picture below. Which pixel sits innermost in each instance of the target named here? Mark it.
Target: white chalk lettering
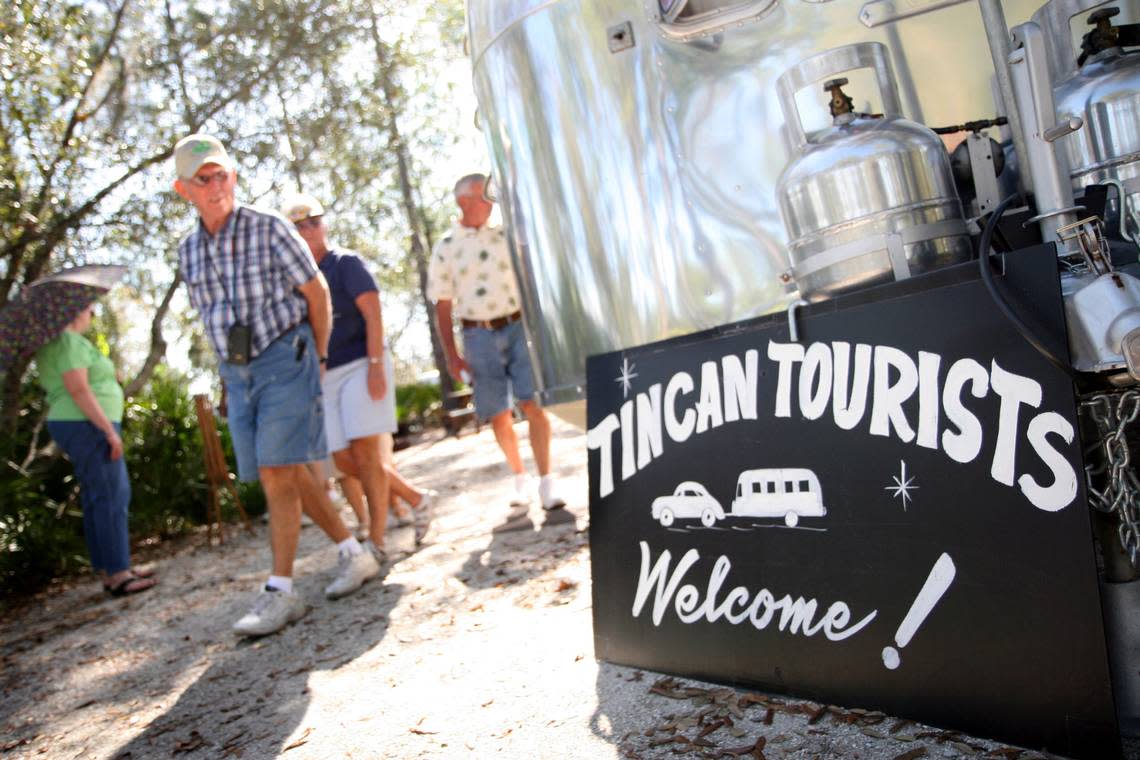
(964, 445)
(740, 383)
(786, 354)
(1013, 390)
(886, 409)
(849, 410)
(1064, 488)
(709, 407)
(600, 436)
(679, 430)
(815, 381)
(796, 616)
(649, 445)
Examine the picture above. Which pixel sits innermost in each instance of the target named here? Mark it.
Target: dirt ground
(478, 645)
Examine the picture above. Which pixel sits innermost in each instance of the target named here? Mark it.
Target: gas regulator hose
(984, 267)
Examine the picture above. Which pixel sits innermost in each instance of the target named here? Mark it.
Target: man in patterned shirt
(265, 307)
(471, 268)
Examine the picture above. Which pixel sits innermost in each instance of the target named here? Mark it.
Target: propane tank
(1101, 85)
(870, 199)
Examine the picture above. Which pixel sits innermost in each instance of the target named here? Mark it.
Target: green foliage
(40, 522)
(415, 402)
(41, 532)
(164, 456)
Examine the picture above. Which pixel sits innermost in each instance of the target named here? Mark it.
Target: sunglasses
(205, 180)
(312, 221)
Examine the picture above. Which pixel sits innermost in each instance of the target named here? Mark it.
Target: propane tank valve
(840, 103)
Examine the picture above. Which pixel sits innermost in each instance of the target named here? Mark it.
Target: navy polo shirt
(347, 278)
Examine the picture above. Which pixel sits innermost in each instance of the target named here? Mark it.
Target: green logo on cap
(202, 147)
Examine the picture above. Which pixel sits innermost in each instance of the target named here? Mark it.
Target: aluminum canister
(1105, 93)
(867, 200)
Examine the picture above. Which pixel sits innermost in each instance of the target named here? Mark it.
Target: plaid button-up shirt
(248, 272)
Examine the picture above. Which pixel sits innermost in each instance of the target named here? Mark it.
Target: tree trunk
(157, 341)
(385, 74)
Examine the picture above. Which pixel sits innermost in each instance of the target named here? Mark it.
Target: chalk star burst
(903, 485)
(626, 376)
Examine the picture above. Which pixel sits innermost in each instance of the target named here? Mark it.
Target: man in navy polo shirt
(265, 307)
(359, 386)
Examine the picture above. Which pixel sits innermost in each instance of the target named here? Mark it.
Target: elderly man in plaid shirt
(266, 311)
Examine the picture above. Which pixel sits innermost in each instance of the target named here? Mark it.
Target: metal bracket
(1089, 234)
(620, 37)
(982, 170)
(793, 333)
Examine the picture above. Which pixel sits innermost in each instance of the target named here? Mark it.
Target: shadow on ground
(253, 697)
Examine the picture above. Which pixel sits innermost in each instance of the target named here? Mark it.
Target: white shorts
(350, 413)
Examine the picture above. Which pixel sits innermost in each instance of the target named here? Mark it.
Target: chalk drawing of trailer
(788, 492)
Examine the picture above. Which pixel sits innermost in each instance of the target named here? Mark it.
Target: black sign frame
(986, 611)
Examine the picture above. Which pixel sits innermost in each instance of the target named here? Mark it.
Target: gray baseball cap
(195, 151)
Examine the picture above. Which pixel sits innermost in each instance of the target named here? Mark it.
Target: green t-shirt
(72, 351)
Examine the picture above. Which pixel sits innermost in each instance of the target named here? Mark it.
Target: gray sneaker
(377, 553)
(271, 611)
(424, 512)
(352, 570)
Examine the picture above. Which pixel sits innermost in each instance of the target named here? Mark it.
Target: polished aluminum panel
(640, 185)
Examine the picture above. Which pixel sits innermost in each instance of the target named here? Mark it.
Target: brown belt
(498, 323)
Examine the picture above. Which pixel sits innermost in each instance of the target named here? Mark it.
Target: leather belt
(498, 323)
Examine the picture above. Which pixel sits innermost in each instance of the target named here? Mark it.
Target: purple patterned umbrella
(41, 310)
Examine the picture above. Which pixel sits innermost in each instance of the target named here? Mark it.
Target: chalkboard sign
(888, 512)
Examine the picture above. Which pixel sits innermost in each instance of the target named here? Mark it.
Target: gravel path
(475, 646)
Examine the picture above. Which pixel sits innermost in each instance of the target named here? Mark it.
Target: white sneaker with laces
(271, 611)
(352, 570)
(423, 514)
(548, 493)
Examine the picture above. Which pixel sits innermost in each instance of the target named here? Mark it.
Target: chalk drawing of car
(790, 492)
(689, 499)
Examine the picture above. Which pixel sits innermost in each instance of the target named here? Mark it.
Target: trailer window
(805, 486)
(691, 19)
(771, 486)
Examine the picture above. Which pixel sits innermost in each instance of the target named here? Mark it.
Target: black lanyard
(231, 303)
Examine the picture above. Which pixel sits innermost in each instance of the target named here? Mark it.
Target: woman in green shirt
(85, 414)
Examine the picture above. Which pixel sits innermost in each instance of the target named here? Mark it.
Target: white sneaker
(423, 514)
(352, 570)
(548, 493)
(521, 496)
(271, 611)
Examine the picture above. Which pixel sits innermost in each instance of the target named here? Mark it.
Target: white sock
(350, 546)
(521, 481)
(280, 583)
(547, 481)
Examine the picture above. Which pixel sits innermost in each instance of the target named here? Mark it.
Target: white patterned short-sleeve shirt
(472, 268)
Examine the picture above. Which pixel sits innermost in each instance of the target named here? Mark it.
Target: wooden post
(217, 471)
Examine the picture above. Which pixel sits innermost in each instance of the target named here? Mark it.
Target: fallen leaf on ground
(912, 754)
(194, 742)
(304, 738)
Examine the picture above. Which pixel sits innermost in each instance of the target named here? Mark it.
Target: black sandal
(122, 588)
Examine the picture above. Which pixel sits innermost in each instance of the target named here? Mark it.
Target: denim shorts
(500, 366)
(350, 412)
(276, 414)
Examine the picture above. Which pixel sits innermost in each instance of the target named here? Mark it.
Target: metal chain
(1113, 414)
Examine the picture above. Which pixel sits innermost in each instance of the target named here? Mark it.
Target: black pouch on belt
(239, 344)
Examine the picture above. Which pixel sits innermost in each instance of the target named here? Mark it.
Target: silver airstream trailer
(669, 166)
